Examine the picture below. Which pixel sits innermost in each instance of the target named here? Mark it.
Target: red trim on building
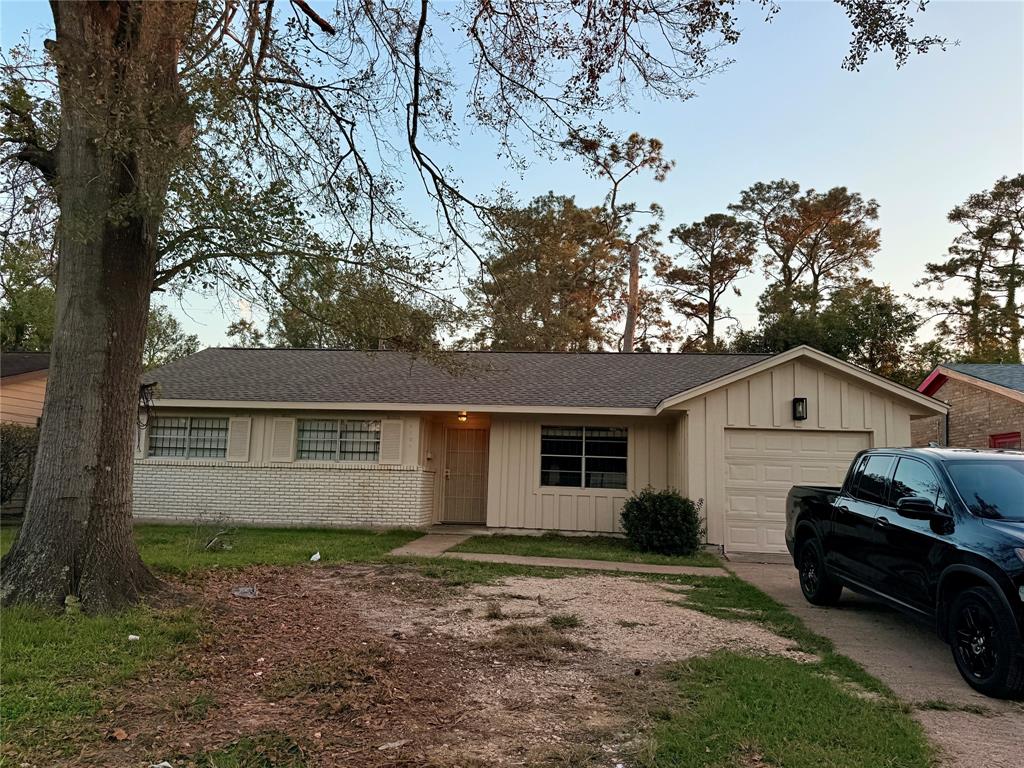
(1006, 440)
(932, 384)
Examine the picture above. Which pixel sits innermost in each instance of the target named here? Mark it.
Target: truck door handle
(844, 510)
(883, 522)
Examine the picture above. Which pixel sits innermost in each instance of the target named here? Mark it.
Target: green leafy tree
(864, 323)
(328, 304)
(28, 305)
(870, 326)
(246, 333)
(549, 278)
(166, 340)
(714, 254)
(149, 95)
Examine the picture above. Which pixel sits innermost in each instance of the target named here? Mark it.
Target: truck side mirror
(917, 507)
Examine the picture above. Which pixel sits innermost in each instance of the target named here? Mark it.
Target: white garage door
(761, 465)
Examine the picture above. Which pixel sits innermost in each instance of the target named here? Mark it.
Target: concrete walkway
(430, 545)
(908, 656)
(437, 544)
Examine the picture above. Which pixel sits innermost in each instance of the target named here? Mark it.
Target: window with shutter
(391, 435)
(239, 430)
(283, 440)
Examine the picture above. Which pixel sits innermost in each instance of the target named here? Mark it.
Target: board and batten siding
(764, 401)
(516, 499)
(21, 398)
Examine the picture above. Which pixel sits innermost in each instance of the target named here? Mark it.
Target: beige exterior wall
(683, 448)
(21, 398)
(262, 491)
(835, 402)
(515, 498)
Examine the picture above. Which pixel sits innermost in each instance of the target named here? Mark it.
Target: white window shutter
(239, 430)
(282, 446)
(391, 441)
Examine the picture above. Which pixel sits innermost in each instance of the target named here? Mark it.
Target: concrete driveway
(907, 656)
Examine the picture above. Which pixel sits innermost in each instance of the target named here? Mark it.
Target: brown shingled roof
(594, 380)
(15, 363)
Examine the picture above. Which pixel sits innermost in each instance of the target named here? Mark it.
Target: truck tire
(986, 647)
(818, 586)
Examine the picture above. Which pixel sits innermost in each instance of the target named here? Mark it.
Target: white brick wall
(296, 494)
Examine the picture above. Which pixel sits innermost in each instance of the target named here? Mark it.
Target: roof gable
(1003, 378)
(920, 400)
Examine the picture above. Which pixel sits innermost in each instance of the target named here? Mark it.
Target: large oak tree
(328, 105)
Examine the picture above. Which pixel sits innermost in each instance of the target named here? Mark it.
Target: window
(991, 488)
(189, 437)
(872, 478)
(914, 478)
(338, 440)
(583, 457)
(1007, 440)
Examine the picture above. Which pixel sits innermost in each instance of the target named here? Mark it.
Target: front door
(465, 476)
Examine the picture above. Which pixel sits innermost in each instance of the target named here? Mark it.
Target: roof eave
(282, 405)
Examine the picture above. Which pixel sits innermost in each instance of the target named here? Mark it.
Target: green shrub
(663, 522)
(17, 452)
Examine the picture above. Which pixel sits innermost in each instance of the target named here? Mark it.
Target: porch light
(799, 409)
(463, 416)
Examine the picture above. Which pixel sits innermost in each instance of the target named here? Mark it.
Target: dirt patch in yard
(380, 666)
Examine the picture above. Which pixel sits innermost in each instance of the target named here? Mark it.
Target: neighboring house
(23, 386)
(513, 440)
(986, 406)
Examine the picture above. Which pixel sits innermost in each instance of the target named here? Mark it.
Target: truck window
(873, 478)
(992, 489)
(914, 478)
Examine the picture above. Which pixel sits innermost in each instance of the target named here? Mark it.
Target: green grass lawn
(737, 710)
(183, 548)
(580, 547)
(54, 669)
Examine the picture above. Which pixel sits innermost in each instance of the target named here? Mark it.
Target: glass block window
(189, 437)
(360, 441)
(338, 440)
(583, 457)
(318, 440)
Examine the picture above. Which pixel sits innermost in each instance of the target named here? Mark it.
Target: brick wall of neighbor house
(293, 495)
(974, 414)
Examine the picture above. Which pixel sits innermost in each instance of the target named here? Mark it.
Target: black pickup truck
(935, 532)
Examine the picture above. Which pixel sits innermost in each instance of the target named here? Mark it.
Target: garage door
(761, 465)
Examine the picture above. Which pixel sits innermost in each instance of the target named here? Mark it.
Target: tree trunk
(709, 338)
(122, 117)
(633, 299)
(1011, 310)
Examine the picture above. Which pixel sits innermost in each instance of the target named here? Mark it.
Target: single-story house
(23, 386)
(986, 406)
(552, 441)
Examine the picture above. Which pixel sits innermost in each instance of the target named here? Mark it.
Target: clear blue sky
(918, 139)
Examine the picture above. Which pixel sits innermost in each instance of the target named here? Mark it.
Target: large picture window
(338, 440)
(188, 437)
(583, 457)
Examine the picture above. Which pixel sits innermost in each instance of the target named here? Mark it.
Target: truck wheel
(818, 586)
(985, 645)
